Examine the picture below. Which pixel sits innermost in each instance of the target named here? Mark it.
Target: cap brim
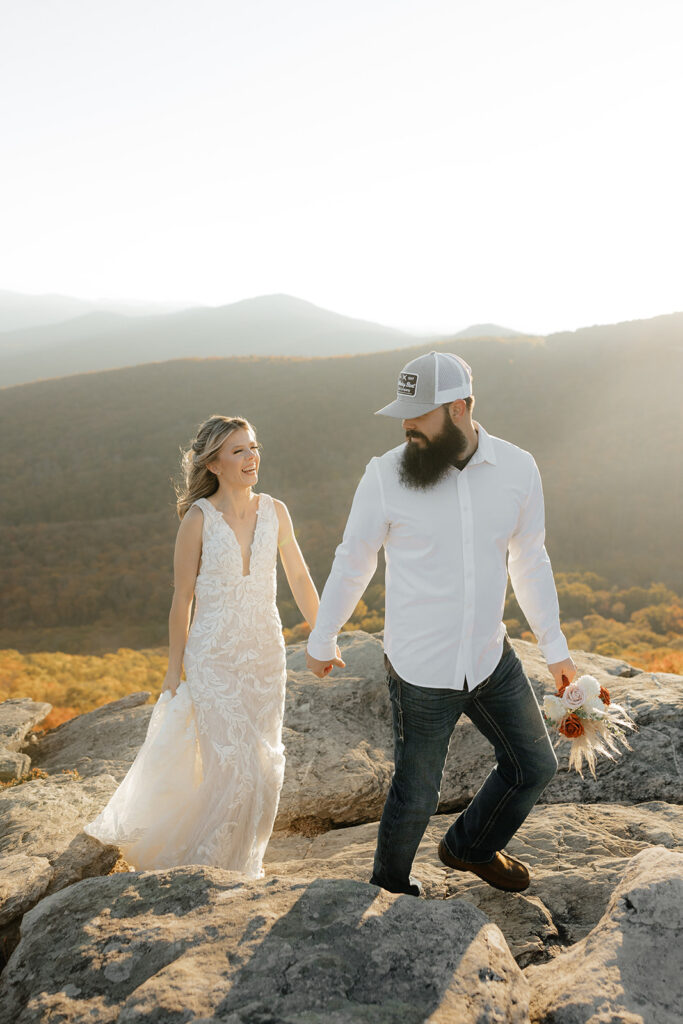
(404, 409)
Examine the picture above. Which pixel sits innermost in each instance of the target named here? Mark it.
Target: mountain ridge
(273, 325)
(264, 325)
(19, 309)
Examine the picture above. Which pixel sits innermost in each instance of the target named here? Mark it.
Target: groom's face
(434, 444)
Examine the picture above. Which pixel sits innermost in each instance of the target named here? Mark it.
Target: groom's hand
(565, 668)
(323, 668)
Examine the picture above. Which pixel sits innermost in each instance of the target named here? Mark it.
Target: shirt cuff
(322, 649)
(556, 651)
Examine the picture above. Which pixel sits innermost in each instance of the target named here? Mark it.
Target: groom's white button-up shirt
(446, 574)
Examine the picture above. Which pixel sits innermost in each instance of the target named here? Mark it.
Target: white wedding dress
(205, 785)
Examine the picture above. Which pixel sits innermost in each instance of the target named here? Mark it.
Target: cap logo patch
(407, 383)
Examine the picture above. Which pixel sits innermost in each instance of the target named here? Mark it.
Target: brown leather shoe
(503, 872)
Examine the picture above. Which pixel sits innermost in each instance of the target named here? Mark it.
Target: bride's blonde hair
(198, 480)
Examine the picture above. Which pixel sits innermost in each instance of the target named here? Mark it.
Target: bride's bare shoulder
(192, 521)
(281, 509)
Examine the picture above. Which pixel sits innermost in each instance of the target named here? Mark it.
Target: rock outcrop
(576, 854)
(44, 818)
(629, 967)
(101, 742)
(42, 844)
(590, 940)
(17, 717)
(23, 880)
(202, 944)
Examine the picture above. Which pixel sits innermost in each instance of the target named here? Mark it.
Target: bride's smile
(237, 461)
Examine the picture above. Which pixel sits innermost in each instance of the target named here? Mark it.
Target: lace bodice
(221, 562)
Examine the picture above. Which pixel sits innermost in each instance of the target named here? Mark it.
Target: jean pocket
(480, 687)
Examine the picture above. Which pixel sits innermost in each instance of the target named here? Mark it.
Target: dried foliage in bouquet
(583, 713)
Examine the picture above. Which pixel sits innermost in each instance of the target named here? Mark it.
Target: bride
(205, 785)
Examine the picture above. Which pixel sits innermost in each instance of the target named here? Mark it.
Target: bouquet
(583, 713)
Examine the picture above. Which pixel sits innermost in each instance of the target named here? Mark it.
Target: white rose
(590, 686)
(554, 708)
(574, 696)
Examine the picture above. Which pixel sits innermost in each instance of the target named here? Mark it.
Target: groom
(456, 510)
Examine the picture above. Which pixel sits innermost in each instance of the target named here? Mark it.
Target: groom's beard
(424, 465)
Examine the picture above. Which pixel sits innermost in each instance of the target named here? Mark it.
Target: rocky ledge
(594, 938)
(19, 715)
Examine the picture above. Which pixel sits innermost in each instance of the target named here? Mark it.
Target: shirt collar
(484, 452)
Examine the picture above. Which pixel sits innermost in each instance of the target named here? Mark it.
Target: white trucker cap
(427, 382)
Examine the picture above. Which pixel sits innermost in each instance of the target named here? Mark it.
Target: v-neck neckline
(218, 512)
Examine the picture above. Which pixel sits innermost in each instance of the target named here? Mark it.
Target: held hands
(565, 668)
(323, 668)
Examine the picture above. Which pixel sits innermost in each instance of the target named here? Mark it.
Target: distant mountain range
(87, 339)
(18, 311)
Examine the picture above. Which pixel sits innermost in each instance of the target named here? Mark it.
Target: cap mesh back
(450, 373)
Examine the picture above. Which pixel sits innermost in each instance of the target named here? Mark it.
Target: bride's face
(237, 462)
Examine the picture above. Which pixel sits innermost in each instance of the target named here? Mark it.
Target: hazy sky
(426, 164)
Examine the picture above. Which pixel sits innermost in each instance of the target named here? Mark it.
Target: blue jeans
(505, 710)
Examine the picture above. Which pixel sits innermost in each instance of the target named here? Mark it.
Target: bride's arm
(188, 549)
(296, 570)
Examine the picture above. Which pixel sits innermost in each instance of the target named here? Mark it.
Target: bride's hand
(171, 682)
(321, 669)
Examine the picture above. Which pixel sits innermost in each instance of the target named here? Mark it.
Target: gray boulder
(628, 969)
(202, 944)
(576, 855)
(44, 818)
(101, 742)
(18, 716)
(42, 844)
(13, 766)
(23, 880)
(337, 736)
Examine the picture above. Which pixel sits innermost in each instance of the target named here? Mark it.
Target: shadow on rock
(203, 944)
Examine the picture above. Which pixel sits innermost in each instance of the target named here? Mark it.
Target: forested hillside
(86, 504)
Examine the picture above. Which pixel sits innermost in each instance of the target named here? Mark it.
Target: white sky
(425, 164)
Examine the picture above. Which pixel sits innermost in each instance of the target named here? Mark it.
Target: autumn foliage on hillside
(641, 625)
(75, 683)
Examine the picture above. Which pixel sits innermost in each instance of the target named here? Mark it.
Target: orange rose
(563, 686)
(571, 727)
(604, 696)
